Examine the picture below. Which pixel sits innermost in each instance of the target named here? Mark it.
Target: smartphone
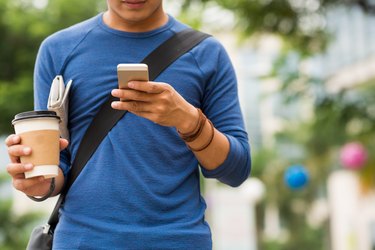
(127, 72)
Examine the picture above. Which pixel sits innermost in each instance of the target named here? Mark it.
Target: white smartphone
(127, 72)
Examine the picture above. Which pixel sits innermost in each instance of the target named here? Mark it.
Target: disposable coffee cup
(39, 130)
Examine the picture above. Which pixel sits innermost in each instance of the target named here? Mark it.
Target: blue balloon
(296, 177)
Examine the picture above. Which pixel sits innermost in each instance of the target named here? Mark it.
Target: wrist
(189, 121)
(47, 195)
(194, 134)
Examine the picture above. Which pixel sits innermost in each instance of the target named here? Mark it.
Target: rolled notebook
(58, 101)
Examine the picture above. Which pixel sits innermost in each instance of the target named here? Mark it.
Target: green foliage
(301, 24)
(14, 97)
(262, 158)
(306, 235)
(337, 118)
(23, 27)
(14, 229)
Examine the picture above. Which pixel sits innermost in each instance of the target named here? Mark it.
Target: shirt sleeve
(44, 73)
(221, 105)
(230, 171)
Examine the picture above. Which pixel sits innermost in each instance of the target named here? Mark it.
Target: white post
(343, 194)
(232, 215)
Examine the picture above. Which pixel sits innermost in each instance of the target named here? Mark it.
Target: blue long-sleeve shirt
(140, 189)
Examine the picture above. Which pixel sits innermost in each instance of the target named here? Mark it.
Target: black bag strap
(107, 117)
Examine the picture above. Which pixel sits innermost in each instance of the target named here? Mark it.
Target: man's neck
(116, 22)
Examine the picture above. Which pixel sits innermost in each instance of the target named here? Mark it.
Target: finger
(19, 176)
(149, 87)
(12, 140)
(63, 143)
(16, 151)
(132, 106)
(132, 95)
(14, 169)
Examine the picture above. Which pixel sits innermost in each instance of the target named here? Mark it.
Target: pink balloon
(353, 155)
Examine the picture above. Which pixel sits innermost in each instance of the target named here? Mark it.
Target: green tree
(299, 23)
(23, 27)
(14, 229)
(337, 118)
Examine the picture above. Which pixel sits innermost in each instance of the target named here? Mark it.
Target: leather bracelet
(45, 197)
(208, 142)
(202, 122)
(183, 135)
(189, 137)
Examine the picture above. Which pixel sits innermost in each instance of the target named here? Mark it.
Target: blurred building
(348, 62)
(350, 59)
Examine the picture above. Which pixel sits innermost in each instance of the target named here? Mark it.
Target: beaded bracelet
(45, 197)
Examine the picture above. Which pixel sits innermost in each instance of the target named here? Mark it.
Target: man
(140, 190)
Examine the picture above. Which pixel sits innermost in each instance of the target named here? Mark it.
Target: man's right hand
(37, 186)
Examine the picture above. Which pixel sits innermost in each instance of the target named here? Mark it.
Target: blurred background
(306, 73)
